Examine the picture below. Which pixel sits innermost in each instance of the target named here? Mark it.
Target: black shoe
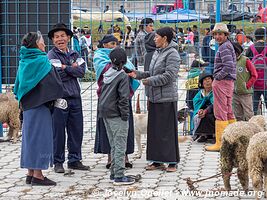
(128, 165)
(202, 139)
(40, 182)
(58, 168)
(78, 165)
(108, 165)
(28, 179)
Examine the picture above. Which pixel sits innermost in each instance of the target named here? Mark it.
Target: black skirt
(101, 138)
(162, 136)
(207, 125)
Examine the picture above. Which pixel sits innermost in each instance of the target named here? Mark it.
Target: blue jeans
(117, 131)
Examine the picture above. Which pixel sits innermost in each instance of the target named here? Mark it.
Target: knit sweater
(246, 76)
(225, 62)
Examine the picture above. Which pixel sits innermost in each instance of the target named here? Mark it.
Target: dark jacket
(45, 92)
(69, 75)
(162, 75)
(208, 55)
(150, 49)
(114, 98)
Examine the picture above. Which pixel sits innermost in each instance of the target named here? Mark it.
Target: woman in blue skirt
(37, 85)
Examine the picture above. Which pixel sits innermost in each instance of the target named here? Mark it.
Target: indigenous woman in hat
(70, 66)
(37, 86)
(102, 63)
(223, 83)
(204, 120)
(161, 80)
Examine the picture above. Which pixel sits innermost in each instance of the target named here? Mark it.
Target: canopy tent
(179, 15)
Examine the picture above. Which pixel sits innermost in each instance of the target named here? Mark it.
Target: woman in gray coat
(161, 80)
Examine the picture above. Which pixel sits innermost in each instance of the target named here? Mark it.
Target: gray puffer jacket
(162, 75)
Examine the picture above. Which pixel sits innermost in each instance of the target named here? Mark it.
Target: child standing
(245, 79)
(113, 107)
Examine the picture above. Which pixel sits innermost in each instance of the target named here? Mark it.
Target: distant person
(243, 90)
(240, 36)
(248, 43)
(106, 9)
(260, 6)
(189, 39)
(208, 54)
(232, 7)
(248, 8)
(196, 38)
(122, 10)
(257, 53)
(100, 27)
(146, 26)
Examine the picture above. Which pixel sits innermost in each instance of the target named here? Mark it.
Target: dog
(9, 113)
(140, 128)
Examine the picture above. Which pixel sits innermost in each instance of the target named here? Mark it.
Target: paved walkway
(95, 184)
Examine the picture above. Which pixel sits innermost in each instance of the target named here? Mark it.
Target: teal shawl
(101, 59)
(199, 100)
(33, 67)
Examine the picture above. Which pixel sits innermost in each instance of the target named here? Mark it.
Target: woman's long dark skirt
(101, 138)
(206, 126)
(37, 139)
(162, 133)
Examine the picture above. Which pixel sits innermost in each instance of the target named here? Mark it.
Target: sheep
(235, 141)
(257, 162)
(9, 113)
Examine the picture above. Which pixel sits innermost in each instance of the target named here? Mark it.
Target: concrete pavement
(95, 184)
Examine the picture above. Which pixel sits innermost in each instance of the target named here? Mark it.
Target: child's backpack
(259, 60)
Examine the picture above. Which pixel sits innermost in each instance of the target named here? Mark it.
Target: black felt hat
(59, 27)
(202, 77)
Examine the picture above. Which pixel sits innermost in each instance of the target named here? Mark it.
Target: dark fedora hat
(59, 27)
(202, 76)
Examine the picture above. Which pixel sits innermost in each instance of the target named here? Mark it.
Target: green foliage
(89, 76)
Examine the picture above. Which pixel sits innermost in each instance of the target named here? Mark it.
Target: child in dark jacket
(113, 107)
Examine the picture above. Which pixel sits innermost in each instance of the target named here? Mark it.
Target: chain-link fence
(95, 18)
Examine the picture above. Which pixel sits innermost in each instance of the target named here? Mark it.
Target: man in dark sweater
(70, 66)
(223, 84)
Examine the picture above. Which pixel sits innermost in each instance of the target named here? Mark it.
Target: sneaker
(78, 166)
(41, 182)
(123, 181)
(58, 168)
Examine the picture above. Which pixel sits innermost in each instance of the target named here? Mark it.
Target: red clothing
(254, 75)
